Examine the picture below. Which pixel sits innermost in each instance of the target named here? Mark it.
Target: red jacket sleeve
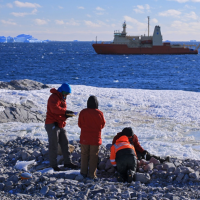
(116, 137)
(137, 144)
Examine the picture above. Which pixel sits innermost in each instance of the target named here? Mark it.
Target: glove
(145, 152)
(68, 113)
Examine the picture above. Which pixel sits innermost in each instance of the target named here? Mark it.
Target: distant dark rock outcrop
(21, 113)
(25, 84)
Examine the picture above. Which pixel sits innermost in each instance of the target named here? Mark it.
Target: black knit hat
(127, 131)
(92, 102)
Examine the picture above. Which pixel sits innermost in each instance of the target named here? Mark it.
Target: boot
(130, 176)
(71, 165)
(120, 177)
(84, 175)
(57, 169)
(167, 159)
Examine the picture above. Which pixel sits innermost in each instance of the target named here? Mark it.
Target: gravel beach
(177, 179)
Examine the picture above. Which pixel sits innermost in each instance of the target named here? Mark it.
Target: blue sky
(67, 20)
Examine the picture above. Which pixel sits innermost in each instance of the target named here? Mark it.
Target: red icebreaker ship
(123, 44)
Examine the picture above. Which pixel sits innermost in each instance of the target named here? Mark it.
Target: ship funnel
(157, 37)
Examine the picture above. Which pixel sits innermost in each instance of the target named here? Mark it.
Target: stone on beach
(148, 167)
(154, 161)
(142, 177)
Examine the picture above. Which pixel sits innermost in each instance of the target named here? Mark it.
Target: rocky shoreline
(177, 179)
(26, 112)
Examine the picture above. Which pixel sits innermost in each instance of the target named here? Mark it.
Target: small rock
(194, 175)
(148, 167)
(142, 177)
(44, 190)
(1, 186)
(154, 161)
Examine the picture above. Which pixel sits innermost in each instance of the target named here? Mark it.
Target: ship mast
(124, 29)
(148, 25)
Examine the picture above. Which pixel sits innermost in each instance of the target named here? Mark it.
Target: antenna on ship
(148, 25)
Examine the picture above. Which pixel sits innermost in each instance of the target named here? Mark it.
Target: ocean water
(77, 63)
(157, 95)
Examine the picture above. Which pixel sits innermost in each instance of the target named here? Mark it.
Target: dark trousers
(57, 135)
(126, 162)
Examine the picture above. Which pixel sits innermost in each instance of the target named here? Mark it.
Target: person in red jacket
(123, 157)
(140, 152)
(91, 121)
(56, 116)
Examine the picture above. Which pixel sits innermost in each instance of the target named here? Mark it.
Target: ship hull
(124, 49)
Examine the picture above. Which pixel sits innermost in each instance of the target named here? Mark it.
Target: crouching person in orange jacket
(140, 152)
(123, 157)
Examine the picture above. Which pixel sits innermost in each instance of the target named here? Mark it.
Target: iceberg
(27, 39)
(10, 39)
(3, 39)
(22, 38)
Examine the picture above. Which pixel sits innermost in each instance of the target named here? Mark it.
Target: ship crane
(197, 47)
(192, 45)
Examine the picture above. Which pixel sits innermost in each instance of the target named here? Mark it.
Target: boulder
(154, 161)
(186, 170)
(169, 167)
(148, 167)
(144, 162)
(194, 175)
(179, 177)
(142, 177)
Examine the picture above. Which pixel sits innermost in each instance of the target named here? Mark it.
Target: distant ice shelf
(21, 38)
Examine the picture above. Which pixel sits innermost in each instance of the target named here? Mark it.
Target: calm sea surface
(77, 63)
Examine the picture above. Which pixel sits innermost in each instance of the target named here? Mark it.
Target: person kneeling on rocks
(56, 116)
(91, 121)
(140, 152)
(123, 158)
